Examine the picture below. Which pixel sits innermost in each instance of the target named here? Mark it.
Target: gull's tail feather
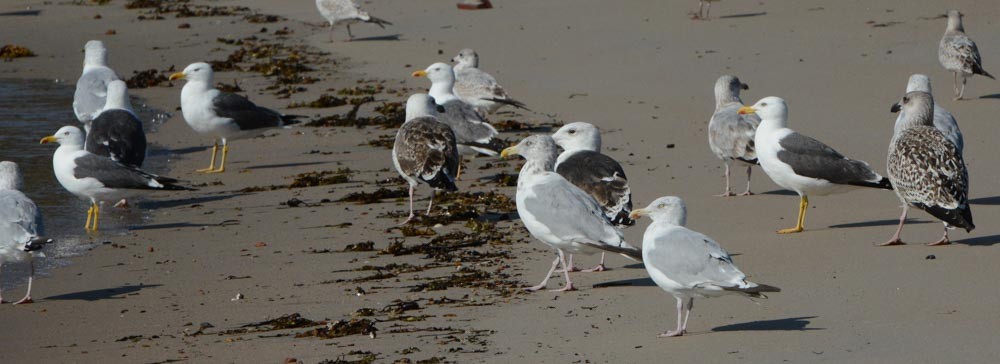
(754, 290)
(380, 22)
(510, 102)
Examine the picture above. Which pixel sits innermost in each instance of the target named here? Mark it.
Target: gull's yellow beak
(635, 214)
(48, 139)
(420, 73)
(177, 76)
(746, 110)
(508, 152)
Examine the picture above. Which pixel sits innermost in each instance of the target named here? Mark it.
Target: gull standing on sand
(706, 6)
(603, 178)
(97, 178)
(558, 213)
(477, 87)
(688, 264)
(20, 225)
(91, 88)
(346, 12)
(927, 171)
(943, 120)
(731, 134)
(959, 54)
(803, 164)
(222, 115)
(425, 149)
(117, 133)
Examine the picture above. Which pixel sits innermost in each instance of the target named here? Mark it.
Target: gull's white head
(195, 72)
(117, 96)
(67, 135)
(95, 54)
(916, 108)
(955, 20)
(535, 148)
(442, 81)
(669, 209)
(466, 58)
(10, 176)
(727, 89)
(918, 82)
(421, 105)
(578, 136)
(770, 109)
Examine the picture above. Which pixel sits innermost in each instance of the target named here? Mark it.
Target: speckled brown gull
(959, 54)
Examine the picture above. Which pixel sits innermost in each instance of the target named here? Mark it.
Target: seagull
(477, 87)
(20, 225)
(425, 149)
(688, 264)
(558, 213)
(91, 88)
(706, 6)
(943, 120)
(927, 171)
(731, 134)
(803, 164)
(959, 54)
(346, 12)
(222, 115)
(603, 178)
(97, 178)
(117, 133)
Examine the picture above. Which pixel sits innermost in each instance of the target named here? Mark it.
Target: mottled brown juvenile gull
(959, 54)
(346, 12)
(803, 164)
(730, 134)
(91, 88)
(117, 133)
(688, 264)
(927, 171)
(478, 88)
(558, 213)
(20, 225)
(943, 120)
(425, 149)
(472, 132)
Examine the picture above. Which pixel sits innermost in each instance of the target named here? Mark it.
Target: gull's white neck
(723, 96)
(442, 91)
(955, 24)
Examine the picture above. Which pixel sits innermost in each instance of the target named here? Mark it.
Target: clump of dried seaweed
(380, 194)
(342, 328)
(309, 179)
(147, 78)
(323, 101)
(11, 51)
(289, 321)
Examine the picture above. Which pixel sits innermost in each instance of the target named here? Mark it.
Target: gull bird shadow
(637, 282)
(175, 225)
(743, 15)
(186, 201)
(390, 37)
(780, 193)
(785, 324)
(22, 13)
(995, 200)
(991, 96)
(892, 222)
(187, 150)
(282, 165)
(116, 293)
(981, 241)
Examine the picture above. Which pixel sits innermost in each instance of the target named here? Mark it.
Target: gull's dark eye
(572, 131)
(906, 99)
(528, 143)
(763, 104)
(662, 205)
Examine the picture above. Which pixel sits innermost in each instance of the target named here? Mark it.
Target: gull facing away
(478, 88)
(346, 12)
(705, 6)
(688, 264)
(558, 213)
(927, 171)
(959, 54)
(803, 164)
(731, 134)
(97, 178)
(424, 150)
(943, 120)
(91, 88)
(20, 225)
(603, 178)
(117, 133)
(222, 115)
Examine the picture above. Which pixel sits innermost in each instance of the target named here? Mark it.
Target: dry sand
(643, 72)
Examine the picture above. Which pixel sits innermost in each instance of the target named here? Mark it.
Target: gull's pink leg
(569, 283)
(572, 267)
(27, 297)
(431, 204)
(728, 192)
(895, 237)
(546, 280)
(944, 239)
(599, 268)
(687, 313)
(680, 330)
(747, 192)
(411, 207)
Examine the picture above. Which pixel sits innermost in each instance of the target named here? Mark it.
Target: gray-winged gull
(803, 164)
(478, 88)
(424, 150)
(117, 133)
(959, 54)
(927, 171)
(91, 88)
(96, 178)
(688, 264)
(558, 213)
(222, 115)
(943, 120)
(730, 134)
(346, 12)
(20, 225)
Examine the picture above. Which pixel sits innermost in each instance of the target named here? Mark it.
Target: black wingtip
(622, 219)
(291, 119)
(882, 183)
(751, 161)
(958, 217)
(510, 102)
(380, 22)
(756, 291)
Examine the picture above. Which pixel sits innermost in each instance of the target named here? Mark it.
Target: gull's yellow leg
(90, 215)
(211, 166)
(97, 214)
(803, 204)
(222, 166)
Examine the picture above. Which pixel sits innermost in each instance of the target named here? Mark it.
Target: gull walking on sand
(346, 12)
(959, 54)
(91, 89)
(478, 88)
(559, 214)
(424, 150)
(927, 171)
(731, 134)
(803, 164)
(943, 120)
(688, 264)
(20, 226)
(222, 115)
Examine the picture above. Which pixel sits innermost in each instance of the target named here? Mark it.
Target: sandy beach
(295, 251)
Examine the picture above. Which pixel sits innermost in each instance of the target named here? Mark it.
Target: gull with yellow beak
(96, 178)
(803, 164)
(222, 115)
(473, 133)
